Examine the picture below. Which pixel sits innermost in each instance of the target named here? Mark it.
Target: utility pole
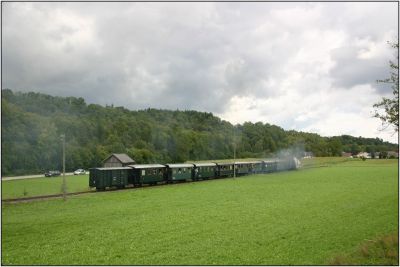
(234, 152)
(64, 183)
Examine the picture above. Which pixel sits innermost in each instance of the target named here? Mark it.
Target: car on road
(52, 173)
(79, 171)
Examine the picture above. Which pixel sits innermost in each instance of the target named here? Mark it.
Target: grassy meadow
(313, 216)
(43, 186)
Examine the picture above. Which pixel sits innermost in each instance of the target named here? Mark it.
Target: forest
(33, 122)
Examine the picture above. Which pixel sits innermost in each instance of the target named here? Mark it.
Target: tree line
(33, 122)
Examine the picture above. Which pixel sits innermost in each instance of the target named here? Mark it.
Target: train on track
(151, 174)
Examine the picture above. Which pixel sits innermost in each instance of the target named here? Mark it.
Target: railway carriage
(179, 172)
(101, 178)
(225, 169)
(148, 173)
(242, 168)
(204, 171)
(287, 164)
(250, 167)
(269, 166)
(257, 166)
(141, 174)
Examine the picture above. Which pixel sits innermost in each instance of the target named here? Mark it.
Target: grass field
(43, 186)
(383, 250)
(305, 217)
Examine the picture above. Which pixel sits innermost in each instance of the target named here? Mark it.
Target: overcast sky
(304, 66)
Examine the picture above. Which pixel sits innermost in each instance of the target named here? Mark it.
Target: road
(29, 177)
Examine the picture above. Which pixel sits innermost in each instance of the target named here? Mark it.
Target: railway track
(42, 197)
(54, 196)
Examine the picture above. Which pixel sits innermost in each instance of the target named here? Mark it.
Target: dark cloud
(351, 70)
(198, 56)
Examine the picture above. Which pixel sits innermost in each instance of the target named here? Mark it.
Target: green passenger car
(225, 169)
(101, 178)
(285, 164)
(257, 166)
(179, 172)
(148, 173)
(250, 167)
(242, 168)
(269, 166)
(204, 171)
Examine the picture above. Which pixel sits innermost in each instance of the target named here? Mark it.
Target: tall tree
(390, 105)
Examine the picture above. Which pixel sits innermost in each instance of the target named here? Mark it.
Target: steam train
(150, 174)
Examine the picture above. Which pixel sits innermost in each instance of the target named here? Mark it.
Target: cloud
(360, 65)
(292, 64)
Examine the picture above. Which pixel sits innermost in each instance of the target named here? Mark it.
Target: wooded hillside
(33, 122)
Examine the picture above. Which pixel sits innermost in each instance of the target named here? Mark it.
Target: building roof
(123, 158)
(146, 166)
(180, 165)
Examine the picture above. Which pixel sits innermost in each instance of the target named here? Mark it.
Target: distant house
(118, 160)
(347, 155)
(363, 155)
(307, 155)
(374, 155)
(392, 154)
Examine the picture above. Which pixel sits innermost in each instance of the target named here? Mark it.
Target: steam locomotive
(150, 174)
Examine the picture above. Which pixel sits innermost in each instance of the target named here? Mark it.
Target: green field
(43, 186)
(305, 217)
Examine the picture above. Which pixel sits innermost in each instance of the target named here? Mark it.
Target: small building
(346, 155)
(374, 155)
(118, 160)
(363, 155)
(307, 155)
(392, 154)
